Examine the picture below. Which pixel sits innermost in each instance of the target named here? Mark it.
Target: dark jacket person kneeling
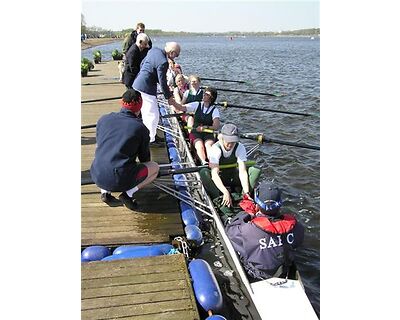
(122, 137)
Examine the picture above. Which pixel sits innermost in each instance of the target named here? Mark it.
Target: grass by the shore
(89, 43)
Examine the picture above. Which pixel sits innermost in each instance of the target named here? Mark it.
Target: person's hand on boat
(226, 199)
(246, 196)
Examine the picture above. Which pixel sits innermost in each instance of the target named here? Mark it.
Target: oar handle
(182, 170)
(248, 163)
(204, 130)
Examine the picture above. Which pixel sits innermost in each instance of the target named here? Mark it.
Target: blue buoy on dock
(164, 247)
(95, 253)
(205, 286)
(139, 253)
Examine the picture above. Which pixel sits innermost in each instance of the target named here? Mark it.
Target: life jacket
(268, 224)
(275, 226)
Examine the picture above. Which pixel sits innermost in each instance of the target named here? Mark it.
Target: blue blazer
(121, 137)
(153, 70)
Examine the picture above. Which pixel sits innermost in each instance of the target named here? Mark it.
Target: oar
(260, 138)
(223, 80)
(250, 92)
(173, 115)
(88, 126)
(225, 104)
(182, 170)
(103, 99)
(161, 173)
(99, 83)
(204, 130)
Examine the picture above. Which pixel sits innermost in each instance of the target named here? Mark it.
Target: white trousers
(150, 114)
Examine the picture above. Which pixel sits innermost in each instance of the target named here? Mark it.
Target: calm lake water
(286, 65)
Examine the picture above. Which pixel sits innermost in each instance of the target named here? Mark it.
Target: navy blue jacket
(153, 70)
(121, 138)
(133, 59)
(262, 253)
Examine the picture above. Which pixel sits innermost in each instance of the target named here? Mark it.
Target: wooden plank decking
(140, 289)
(133, 289)
(158, 218)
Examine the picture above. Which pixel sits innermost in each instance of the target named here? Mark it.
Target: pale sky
(202, 16)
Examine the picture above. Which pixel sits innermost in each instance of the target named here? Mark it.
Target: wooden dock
(133, 289)
(158, 217)
(146, 288)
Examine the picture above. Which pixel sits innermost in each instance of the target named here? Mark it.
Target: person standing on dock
(228, 151)
(152, 71)
(140, 28)
(122, 137)
(264, 238)
(134, 57)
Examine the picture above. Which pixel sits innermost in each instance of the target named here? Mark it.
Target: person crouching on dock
(122, 137)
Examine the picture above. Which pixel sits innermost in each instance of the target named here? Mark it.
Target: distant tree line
(98, 32)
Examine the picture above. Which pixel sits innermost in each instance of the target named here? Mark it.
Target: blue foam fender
(169, 137)
(139, 253)
(171, 144)
(176, 158)
(181, 188)
(173, 153)
(176, 165)
(215, 317)
(164, 247)
(180, 179)
(188, 215)
(194, 233)
(95, 253)
(205, 286)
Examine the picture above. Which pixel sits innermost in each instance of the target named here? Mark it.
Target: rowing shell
(274, 298)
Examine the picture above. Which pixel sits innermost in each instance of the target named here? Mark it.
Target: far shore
(92, 42)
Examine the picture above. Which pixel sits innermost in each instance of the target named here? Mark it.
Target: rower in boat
(194, 93)
(206, 116)
(181, 87)
(228, 151)
(264, 238)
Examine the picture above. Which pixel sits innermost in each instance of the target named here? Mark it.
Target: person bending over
(153, 70)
